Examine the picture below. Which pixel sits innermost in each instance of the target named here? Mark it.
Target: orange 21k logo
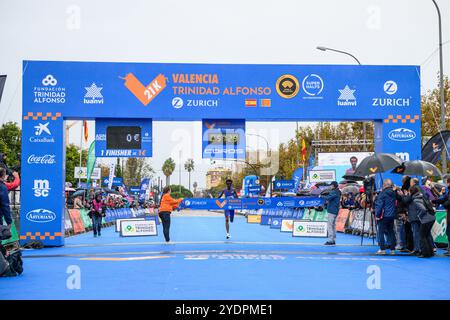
(145, 94)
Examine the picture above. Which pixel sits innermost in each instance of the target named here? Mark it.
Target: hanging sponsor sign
(322, 175)
(223, 139)
(123, 138)
(81, 173)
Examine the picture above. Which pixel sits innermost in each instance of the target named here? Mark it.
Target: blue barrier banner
(275, 223)
(251, 203)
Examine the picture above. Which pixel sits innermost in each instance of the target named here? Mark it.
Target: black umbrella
(418, 168)
(351, 177)
(377, 163)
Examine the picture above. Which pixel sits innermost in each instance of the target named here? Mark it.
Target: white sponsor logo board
(134, 228)
(322, 175)
(81, 173)
(309, 229)
(118, 221)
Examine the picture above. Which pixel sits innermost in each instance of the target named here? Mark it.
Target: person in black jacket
(385, 213)
(426, 222)
(445, 201)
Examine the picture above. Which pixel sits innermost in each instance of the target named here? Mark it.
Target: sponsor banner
(117, 182)
(254, 218)
(341, 220)
(287, 225)
(77, 221)
(265, 220)
(118, 222)
(254, 189)
(432, 150)
(439, 227)
(283, 184)
(86, 220)
(322, 175)
(250, 203)
(134, 189)
(360, 219)
(223, 139)
(165, 91)
(81, 173)
(42, 182)
(303, 228)
(123, 138)
(275, 223)
(340, 158)
(138, 228)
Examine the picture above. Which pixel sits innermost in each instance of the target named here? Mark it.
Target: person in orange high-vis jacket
(166, 206)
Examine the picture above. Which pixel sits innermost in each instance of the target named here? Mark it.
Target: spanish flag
(250, 102)
(303, 150)
(86, 133)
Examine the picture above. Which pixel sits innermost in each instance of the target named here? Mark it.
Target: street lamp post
(321, 48)
(441, 87)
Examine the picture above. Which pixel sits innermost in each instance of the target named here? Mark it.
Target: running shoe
(330, 243)
(380, 252)
(228, 236)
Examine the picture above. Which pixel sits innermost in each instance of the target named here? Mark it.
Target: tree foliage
(135, 170)
(168, 167)
(10, 142)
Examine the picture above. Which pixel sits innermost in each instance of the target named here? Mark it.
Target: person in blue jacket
(385, 212)
(332, 201)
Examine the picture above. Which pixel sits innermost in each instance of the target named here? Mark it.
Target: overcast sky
(384, 32)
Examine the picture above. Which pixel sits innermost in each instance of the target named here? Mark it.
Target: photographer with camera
(333, 201)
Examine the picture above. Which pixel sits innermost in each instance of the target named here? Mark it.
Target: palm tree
(168, 168)
(189, 166)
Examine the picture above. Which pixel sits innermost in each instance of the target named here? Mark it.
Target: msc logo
(41, 188)
(390, 87)
(41, 216)
(402, 134)
(287, 86)
(49, 80)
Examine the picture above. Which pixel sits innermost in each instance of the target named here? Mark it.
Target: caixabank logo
(145, 94)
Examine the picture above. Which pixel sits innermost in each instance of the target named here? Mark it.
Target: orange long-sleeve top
(168, 203)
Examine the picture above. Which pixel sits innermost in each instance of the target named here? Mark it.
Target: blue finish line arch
(55, 91)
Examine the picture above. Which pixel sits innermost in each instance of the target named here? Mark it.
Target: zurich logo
(275, 222)
(187, 203)
(402, 134)
(177, 103)
(41, 216)
(390, 87)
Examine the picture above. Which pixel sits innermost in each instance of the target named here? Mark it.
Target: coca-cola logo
(45, 159)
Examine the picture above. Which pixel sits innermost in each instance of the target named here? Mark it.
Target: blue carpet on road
(256, 263)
